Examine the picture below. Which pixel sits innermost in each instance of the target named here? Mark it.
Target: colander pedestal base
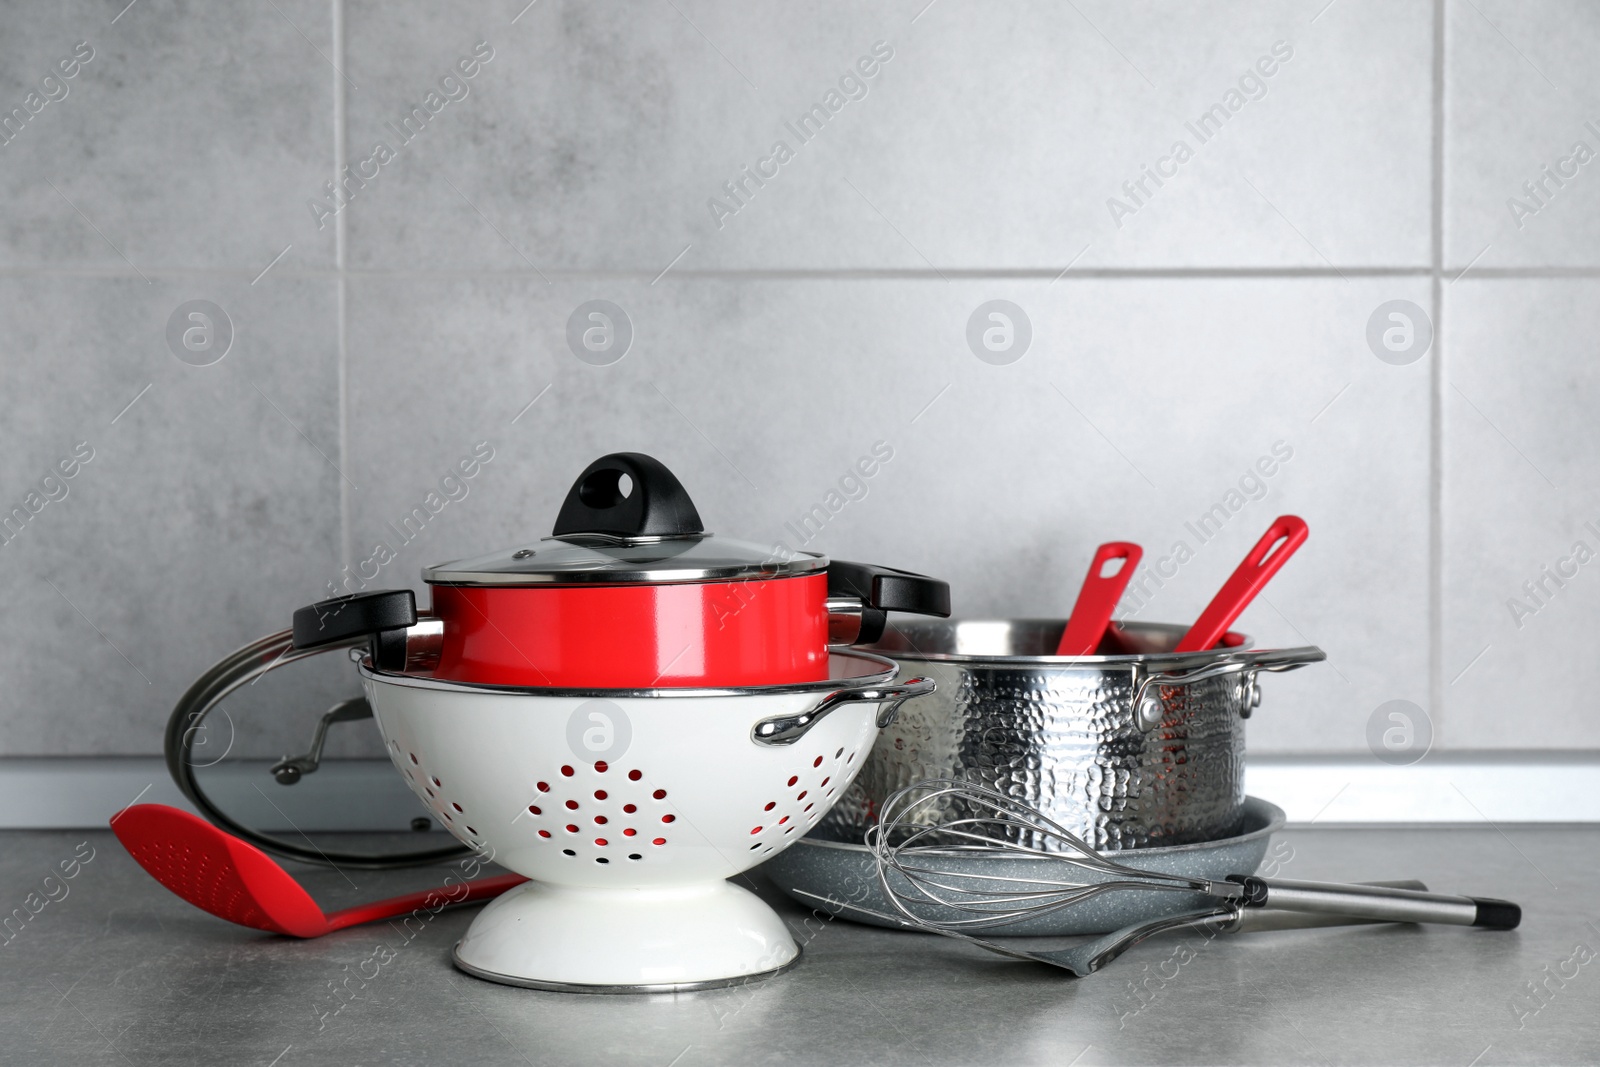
(625, 940)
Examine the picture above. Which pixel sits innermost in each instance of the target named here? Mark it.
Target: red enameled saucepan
(629, 592)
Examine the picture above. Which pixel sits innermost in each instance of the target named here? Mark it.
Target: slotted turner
(236, 881)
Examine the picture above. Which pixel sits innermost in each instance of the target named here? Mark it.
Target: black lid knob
(652, 504)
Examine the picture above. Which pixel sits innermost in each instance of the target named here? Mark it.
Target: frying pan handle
(1249, 579)
(779, 731)
(1380, 903)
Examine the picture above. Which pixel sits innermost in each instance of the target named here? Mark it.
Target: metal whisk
(942, 818)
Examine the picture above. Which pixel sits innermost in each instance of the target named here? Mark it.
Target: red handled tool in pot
(1102, 588)
(1286, 534)
(234, 880)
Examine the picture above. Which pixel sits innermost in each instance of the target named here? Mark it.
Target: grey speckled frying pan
(845, 874)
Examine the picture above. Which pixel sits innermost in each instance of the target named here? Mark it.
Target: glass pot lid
(627, 519)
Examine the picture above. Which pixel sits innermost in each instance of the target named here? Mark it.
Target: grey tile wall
(1182, 329)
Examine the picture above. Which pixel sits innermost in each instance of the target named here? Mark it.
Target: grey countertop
(120, 971)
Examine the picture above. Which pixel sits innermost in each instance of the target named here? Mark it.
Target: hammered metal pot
(1139, 749)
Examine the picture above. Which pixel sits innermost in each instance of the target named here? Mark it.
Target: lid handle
(653, 503)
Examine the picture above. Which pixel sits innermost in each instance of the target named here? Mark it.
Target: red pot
(630, 592)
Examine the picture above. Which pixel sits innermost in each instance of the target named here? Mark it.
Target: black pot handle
(655, 504)
(884, 589)
(384, 614)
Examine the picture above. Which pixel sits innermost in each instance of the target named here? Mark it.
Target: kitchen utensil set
(631, 711)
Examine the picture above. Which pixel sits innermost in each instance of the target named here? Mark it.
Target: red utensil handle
(1098, 599)
(1286, 534)
(431, 899)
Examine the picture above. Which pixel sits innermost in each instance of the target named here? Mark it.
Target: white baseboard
(1526, 787)
(1508, 787)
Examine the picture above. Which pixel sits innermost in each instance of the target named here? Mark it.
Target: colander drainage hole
(630, 808)
(567, 772)
(568, 852)
(572, 805)
(601, 766)
(793, 778)
(601, 859)
(635, 856)
(534, 809)
(770, 805)
(839, 753)
(817, 762)
(634, 776)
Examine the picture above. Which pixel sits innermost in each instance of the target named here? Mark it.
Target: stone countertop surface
(119, 971)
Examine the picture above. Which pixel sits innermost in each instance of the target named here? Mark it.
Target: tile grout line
(339, 240)
(1079, 274)
(1436, 380)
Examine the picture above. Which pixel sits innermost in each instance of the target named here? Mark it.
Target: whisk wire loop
(909, 840)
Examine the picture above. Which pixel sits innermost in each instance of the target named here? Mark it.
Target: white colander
(628, 809)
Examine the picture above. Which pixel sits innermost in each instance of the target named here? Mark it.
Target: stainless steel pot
(1140, 749)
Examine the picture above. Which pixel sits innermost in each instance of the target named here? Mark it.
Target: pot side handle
(383, 615)
(1149, 708)
(881, 590)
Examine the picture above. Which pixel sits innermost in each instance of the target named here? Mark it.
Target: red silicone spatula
(1286, 534)
(234, 880)
(1098, 598)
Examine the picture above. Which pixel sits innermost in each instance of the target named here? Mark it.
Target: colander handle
(779, 731)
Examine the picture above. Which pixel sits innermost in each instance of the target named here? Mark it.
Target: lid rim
(483, 580)
(697, 560)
